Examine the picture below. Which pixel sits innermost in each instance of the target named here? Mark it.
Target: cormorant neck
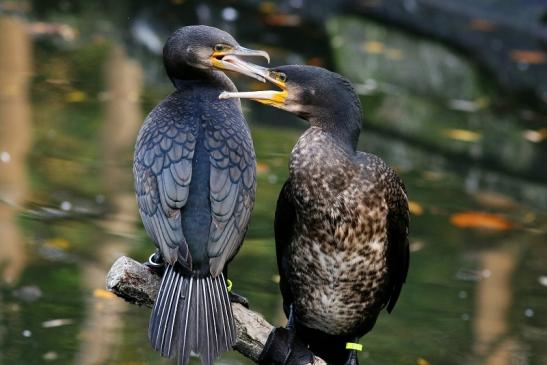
(188, 75)
(344, 125)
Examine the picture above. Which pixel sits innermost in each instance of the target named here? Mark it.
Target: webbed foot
(284, 348)
(155, 263)
(236, 298)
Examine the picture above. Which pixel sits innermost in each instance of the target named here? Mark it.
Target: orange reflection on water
(15, 140)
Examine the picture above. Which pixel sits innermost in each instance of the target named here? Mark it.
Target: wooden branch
(137, 284)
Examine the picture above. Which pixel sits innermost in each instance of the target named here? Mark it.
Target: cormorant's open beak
(229, 60)
(268, 97)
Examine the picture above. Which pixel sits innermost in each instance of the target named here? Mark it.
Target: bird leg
(284, 348)
(234, 297)
(352, 357)
(155, 263)
(290, 323)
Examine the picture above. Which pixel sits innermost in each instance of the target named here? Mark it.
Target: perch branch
(137, 284)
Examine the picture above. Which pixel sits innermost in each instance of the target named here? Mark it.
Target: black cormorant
(341, 222)
(194, 169)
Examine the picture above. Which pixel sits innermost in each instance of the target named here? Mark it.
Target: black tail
(192, 315)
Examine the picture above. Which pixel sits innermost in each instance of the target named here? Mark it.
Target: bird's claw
(236, 298)
(284, 348)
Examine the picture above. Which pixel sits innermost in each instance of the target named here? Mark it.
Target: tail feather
(161, 303)
(192, 315)
(167, 340)
(226, 311)
(213, 341)
(166, 313)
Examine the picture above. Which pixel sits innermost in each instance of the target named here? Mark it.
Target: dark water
(77, 79)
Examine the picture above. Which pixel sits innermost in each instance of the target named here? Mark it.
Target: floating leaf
(422, 361)
(535, 136)
(57, 322)
(50, 356)
(76, 96)
(531, 57)
(464, 135)
(54, 81)
(480, 220)
(482, 25)
(65, 31)
(60, 243)
(475, 275)
(373, 47)
(28, 293)
(470, 106)
(416, 246)
(103, 294)
(415, 208)
(495, 200)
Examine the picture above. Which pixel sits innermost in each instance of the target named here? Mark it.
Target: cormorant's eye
(278, 76)
(220, 47)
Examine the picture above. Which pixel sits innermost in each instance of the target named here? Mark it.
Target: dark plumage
(194, 169)
(341, 221)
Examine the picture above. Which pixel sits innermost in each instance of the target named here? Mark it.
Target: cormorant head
(192, 50)
(324, 98)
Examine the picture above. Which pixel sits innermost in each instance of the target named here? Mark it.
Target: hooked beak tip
(245, 52)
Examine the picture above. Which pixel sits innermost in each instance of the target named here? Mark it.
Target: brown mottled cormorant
(194, 169)
(341, 222)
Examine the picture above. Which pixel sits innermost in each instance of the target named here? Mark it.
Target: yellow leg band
(229, 285)
(354, 346)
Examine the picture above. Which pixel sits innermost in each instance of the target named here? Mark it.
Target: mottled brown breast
(337, 263)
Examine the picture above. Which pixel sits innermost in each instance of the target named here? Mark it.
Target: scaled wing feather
(163, 171)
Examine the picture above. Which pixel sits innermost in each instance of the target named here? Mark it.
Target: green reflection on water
(445, 314)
